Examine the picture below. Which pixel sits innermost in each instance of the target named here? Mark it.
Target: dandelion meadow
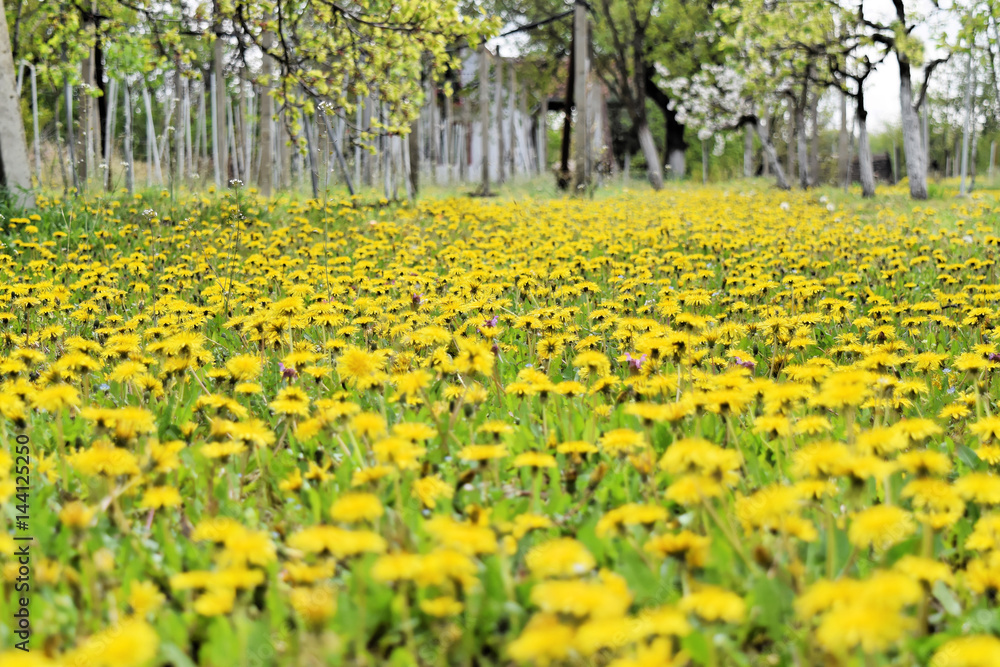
(706, 426)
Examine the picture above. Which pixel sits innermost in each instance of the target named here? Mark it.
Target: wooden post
(501, 147)
(202, 150)
(524, 138)
(704, 162)
(970, 84)
(446, 147)
(247, 149)
(465, 136)
(37, 140)
(582, 171)
(357, 142)
(747, 152)
(180, 140)
(434, 131)
(543, 136)
(484, 116)
(152, 157)
(129, 167)
(842, 165)
(109, 131)
(234, 144)
(216, 148)
(511, 126)
(188, 138)
(386, 159)
(367, 159)
(312, 158)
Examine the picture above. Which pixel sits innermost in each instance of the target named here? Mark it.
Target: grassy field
(709, 426)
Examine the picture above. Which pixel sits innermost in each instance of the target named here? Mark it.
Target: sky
(882, 97)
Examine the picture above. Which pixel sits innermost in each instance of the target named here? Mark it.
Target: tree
(623, 41)
(850, 64)
(14, 172)
(898, 37)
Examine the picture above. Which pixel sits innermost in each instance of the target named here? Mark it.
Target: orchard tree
(623, 38)
(898, 37)
(851, 65)
(14, 174)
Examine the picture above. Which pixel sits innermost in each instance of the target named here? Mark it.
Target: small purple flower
(745, 363)
(417, 299)
(492, 322)
(993, 356)
(287, 373)
(635, 363)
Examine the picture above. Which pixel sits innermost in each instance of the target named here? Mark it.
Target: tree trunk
(109, 133)
(234, 144)
(70, 135)
(13, 143)
(484, 117)
(972, 163)
(765, 125)
(152, 154)
(790, 145)
(265, 175)
(866, 173)
(814, 140)
(201, 149)
(413, 158)
(219, 117)
(771, 155)
(916, 169)
(88, 116)
(803, 150)
(102, 101)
